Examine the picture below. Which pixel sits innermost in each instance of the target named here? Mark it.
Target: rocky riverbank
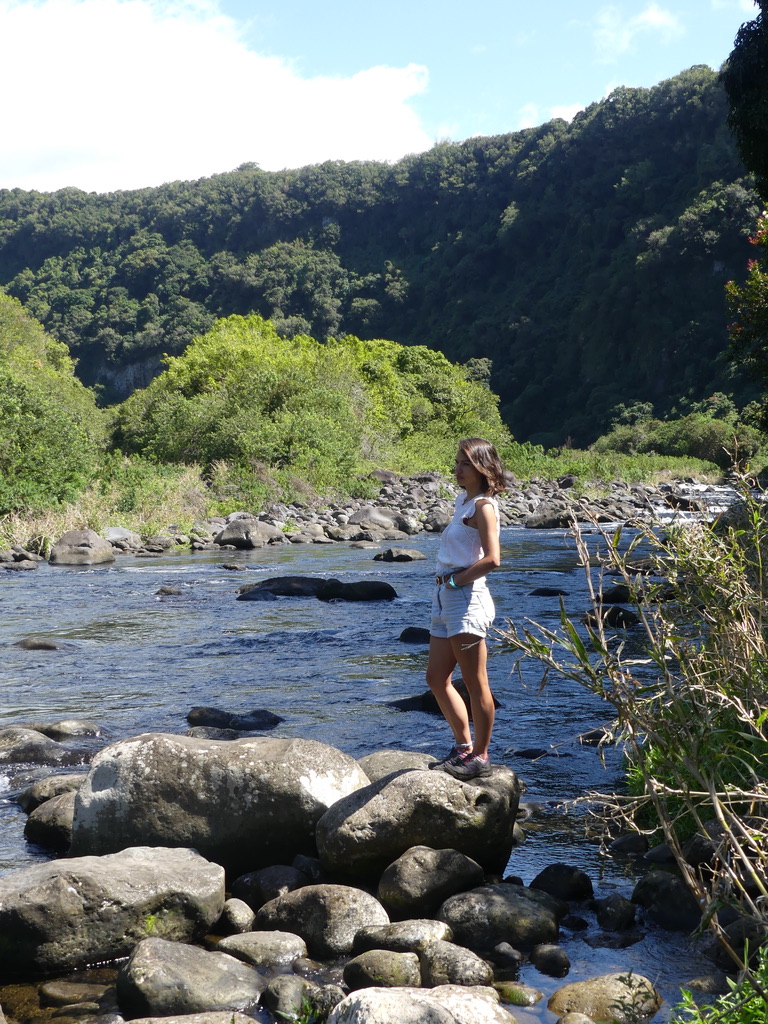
(254, 876)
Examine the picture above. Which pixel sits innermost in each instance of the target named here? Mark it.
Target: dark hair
(486, 461)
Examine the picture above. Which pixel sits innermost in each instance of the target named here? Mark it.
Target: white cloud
(614, 34)
(117, 94)
(567, 112)
(528, 116)
(748, 7)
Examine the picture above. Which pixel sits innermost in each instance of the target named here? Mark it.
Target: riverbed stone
(621, 998)
(264, 949)
(445, 963)
(447, 1004)
(69, 913)
(490, 914)
(615, 913)
(210, 1017)
(326, 916)
(387, 762)
(382, 967)
(245, 803)
(257, 720)
(52, 785)
(236, 918)
(164, 977)
(280, 586)
(551, 959)
(50, 824)
(19, 745)
(247, 533)
(81, 547)
(423, 878)
(668, 901)
(259, 887)
(366, 831)
(565, 882)
(358, 590)
(402, 936)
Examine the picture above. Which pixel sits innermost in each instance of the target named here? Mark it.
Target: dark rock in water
(218, 719)
(50, 824)
(547, 592)
(210, 732)
(564, 882)
(596, 738)
(362, 590)
(281, 586)
(613, 616)
(399, 555)
(632, 843)
(34, 643)
(667, 901)
(618, 594)
(168, 592)
(426, 701)
(414, 635)
(531, 753)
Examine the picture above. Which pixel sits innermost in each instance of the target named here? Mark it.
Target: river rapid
(134, 661)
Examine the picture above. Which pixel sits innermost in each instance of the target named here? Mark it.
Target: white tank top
(460, 544)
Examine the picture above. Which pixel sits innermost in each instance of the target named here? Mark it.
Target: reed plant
(690, 706)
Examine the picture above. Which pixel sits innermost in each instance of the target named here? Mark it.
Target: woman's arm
(484, 521)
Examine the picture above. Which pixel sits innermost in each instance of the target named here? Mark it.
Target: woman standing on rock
(463, 610)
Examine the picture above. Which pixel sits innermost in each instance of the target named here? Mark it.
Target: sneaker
(470, 766)
(454, 755)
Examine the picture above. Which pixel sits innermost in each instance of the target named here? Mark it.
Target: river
(133, 661)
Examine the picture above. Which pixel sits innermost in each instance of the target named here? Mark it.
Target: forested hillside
(587, 261)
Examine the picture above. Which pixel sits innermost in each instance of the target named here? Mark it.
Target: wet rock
(244, 804)
(414, 635)
(327, 917)
(400, 555)
(69, 913)
(252, 721)
(622, 998)
(550, 959)
(517, 994)
(667, 901)
(162, 977)
(484, 917)
(612, 616)
(444, 963)
(66, 729)
(564, 882)
(81, 547)
(366, 831)
(50, 824)
(27, 746)
(382, 967)
(633, 843)
(38, 643)
(168, 592)
(362, 590)
(44, 789)
(615, 913)
(281, 586)
(265, 949)
(423, 878)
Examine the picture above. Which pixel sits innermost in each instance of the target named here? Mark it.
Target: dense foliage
(748, 305)
(242, 394)
(744, 79)
(50, 428)
(585, 259)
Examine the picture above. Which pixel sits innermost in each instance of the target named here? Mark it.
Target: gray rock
(81, 547)
(163, 977)
(286, 994)
(327, 917)
(400, 555)
(388, 762)
(615, 913)
(265, 949)
(69, 913)
(402, 936)
(447, 1004)
(423, 878)
(371, 518)
(444, 963)
(257, 720)
(368, 830)
(667, 901)
(259, 887)
(382, 967)
(550, 959)
(27, 746)
(236, 917)
(66, 729)
(50, 824)
(210, 1017)
(44, 789)
(622, 998)
(244, 803)
(247, 534)
(484, 917)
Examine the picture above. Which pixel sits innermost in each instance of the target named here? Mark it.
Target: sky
(105, 95)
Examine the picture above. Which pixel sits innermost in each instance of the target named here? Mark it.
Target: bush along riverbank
(284, 880)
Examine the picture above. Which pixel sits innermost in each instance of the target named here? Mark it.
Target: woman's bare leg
(471, 654)
(440, 666)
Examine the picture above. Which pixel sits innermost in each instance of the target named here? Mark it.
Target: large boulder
(419, 881)
(21, 745)
(81, 547)
(163, 977)
(447, 1004)
(70, 913)
(484, 917)
(247, 534)
(243, 803)
(358, 590)
(327, 917)
(361, 834)
(625, 998)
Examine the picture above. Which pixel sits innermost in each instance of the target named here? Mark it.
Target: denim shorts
(469, 609)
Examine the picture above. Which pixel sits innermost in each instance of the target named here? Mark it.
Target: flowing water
(134, 661)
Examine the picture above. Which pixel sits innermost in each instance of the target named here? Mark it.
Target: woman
(462, 608)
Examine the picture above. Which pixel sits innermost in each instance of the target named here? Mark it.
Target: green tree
(744, 78)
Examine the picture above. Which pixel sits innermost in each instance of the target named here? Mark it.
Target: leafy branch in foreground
(691, 711)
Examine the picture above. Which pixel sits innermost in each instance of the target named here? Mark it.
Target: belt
(442, 580)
